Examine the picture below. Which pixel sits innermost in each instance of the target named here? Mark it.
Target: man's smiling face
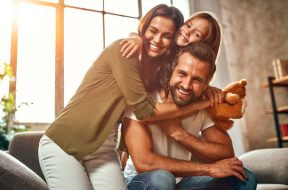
(189, 79)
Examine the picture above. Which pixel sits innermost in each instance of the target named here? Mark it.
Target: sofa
(20, 169)
(19, 166)
(270, 167)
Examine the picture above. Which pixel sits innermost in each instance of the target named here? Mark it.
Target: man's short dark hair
(202, 52)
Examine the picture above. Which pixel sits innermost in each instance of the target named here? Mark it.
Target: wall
(256, 32)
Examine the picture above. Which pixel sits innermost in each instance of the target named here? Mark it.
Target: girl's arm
(131, 45)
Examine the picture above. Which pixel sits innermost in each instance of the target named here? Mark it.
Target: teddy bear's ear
(243, 82)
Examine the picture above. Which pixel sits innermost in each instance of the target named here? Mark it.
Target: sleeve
(126, 73)
(207, 121)
(128, 113)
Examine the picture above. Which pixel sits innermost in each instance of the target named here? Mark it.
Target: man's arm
(138, 141)
(214, 146)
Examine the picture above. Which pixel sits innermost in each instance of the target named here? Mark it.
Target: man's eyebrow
(181, 71)
(199, 78)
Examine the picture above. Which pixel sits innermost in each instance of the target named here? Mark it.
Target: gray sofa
(270, 166)
(19, 167)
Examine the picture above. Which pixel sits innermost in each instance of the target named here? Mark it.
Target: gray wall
(255, 32)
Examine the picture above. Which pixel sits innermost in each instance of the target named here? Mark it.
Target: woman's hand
(131, 45)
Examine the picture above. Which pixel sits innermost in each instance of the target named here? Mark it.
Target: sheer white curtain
(223, 75)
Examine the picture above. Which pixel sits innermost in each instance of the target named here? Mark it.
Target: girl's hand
(214, 95)
(131, 45)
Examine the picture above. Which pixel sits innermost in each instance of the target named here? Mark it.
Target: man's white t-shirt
(163, 145)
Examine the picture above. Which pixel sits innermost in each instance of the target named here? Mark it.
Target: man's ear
(203, 95)
(208, 82)
(206, 86)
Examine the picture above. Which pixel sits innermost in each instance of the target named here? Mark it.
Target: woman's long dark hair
(160, 68)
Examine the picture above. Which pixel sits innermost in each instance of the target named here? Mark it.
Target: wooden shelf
(283, 109)
(276, 110)
(282, 81)
(274, 139)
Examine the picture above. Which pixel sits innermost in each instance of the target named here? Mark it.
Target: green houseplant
(8, 109)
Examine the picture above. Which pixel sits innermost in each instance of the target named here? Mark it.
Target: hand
(214, 95)
(228, 167)
(131, 45)
(171, 127)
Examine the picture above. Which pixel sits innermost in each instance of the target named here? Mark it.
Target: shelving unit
(272, 83)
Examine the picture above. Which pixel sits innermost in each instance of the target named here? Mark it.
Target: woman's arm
(211, 97)
(164, 111)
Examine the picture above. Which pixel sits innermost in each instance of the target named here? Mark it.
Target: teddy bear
(232, 106)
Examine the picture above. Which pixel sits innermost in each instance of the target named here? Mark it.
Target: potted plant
(8, 110)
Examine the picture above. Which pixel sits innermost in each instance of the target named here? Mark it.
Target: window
(83, 41)
(5, 30)
(54, 42)
(5, 36)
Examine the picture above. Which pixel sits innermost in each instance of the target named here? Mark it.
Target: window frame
(59, 42)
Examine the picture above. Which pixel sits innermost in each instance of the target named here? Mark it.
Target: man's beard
(179, 102)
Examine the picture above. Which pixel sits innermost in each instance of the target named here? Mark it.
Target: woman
(78, 149)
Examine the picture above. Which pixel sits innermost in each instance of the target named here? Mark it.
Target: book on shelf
(280, 68)
(284, 130)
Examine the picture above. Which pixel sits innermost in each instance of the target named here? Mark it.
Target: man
(161, 153)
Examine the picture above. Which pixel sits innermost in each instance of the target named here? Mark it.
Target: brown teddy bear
(232, 107)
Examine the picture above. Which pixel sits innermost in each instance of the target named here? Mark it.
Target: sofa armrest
(269, 165)
(24, 147)
(14, 175)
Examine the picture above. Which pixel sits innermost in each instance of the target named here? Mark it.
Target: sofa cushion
(270, 165)
(24, 147)
(14, 175)
(272, 187)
